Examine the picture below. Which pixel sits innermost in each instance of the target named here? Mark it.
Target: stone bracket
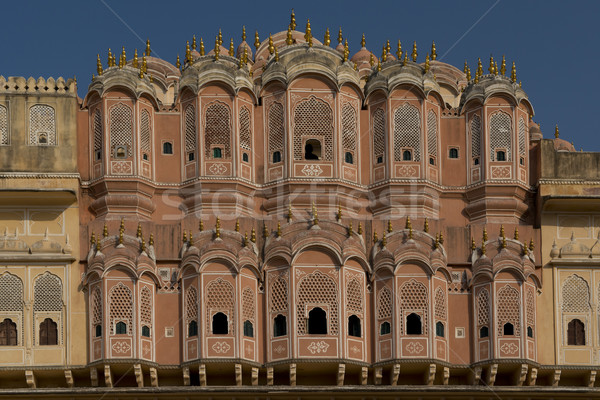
(107, 376)
(30, 378)
(395, 374)
(69, 378)
(202, 374)
(139, 375)
(341, 374)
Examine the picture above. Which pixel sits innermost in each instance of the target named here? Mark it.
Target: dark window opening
(121, 152)
(413, 324)
(476, 161)
(431, 160)
(279, 326)
(406, 155)
(192, 329)
(500, 155)
(245, 157)
(8, 333)
(522, 161)
(379, 159)
(385, 328)
(439, 329)
(349, 158)
(312, 150)
(276, 157)
(191, 156)
(145, 331)
(217, 152)
(48, 333)
(220, 326)
(529, 332)
(453, 153)
(98, 155)
(43, 139)
(98, 330)
(167, 148)
(576, 333)
(354, 326)
(145, 157)
(508, 329)
(248, 329)
(121, 328)
(484, 332)
(317, 322)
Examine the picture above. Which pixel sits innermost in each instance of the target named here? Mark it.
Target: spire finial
(217, 48)
(184, 236)
(265, 231)
(414, 52)
(433, 51)
(231, 49)
(426, 225)
(93, 239)
(360, 230)
(340, 37)
(308, 34)
(399, 51)
(339, 212)
(220, 37)
(390, 228)
(441, 237)
(315, 215)
(122, 58)
(237, 225)
(427, 63)
(513, 73)
(525, 249)
(479, 68)
(288, 39)
(256, 40)
(363, 42)
(138, 234)
(151, 241)
(188, 53)
(466, 67)
(388, 48)
(201, 47)
(503, 242)
(383, 240)
(99, 66)
(405, 61)
(244, 33)
(121, 232)
(491, 68)
(516, 236)
(278, 229)
(384, 54)
(253, 236)
(436, 243)
(503, 66)
(496, 68)
(289, 216)
(473, 245)
(346, 51)
(556, 131)
(327, 39)
(531, 245)
(135, 63)
(375, 237)
(105, 230)
(468, 73)
(378, 65)
(218, 228)
(408, 224)
(271, 47)
(194, 42)
(483, 247)
(178, 62)
(372, 60)
(200, 226)
(293, 20)
(245, 242)
(148, 51)
(502, 231)
(350, 230)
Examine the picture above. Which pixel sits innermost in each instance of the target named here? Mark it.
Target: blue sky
(555, 43)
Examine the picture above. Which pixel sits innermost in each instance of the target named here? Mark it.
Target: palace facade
(286, 218)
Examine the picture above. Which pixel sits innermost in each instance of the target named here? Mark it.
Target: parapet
(20, 85)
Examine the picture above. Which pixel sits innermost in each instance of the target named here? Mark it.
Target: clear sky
(555, 43)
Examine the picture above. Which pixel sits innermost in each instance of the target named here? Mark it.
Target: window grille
(414, 298)
(508, 309)
(276, 130)
(575, 295)
(432, 133)
(220, 297)
(121, 128)
(217, 129)
(120, 305)
(313, 118)
(407, 131)
(245, 129)
(501, 135)
(378, 133)
(317, 288)
(42, 125)
(145, 132)
(4, 133)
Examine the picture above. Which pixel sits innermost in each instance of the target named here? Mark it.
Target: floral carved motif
(221, 347)
(312, 170)
(318, 347)
(414, 348)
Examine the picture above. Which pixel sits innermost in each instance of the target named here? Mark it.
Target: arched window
(349, 158)
(217, 130)
(500, 155)
(484, 332)
(317, 322)
(98, 330)
(378, 135)
(413, 324)
(42, 125)
(192, 329)
(8, 333)
(407, 132)
(576, 333)
(276, 157)
(167, 148)
(4, 131)
(501, 136)
(406, 155)
(312, 150)
(385, 328)
(453, 153)
(529, 332)
(248, 329)
(354, 326)
(276, 131)
(217, 152)
(508, 329)
(220, 326)
(121, 129)
(439, 329)
(279, 326)
(145, 331)
(190, 157)
(48, 333)
(245, 157)
(313, 118)
(121, 328)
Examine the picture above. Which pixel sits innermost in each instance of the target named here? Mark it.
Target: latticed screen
(413, 298)
(120, 305)
(522, 137)
(190, 128)
(146, 306)
(248, 304)
(97, 130)
(475, 136)
(4, 137)
(42, 125)
(440, 304)
(530, 308)
(11, 288)
(508, 306)
(432, 133)
(145, 131)
(48, 293)
(483, 308)
(313, 118)
(96, 307)
(384, 304)
(354, 297)
(407, 131)
(500, 135)
(121, 128)
(191, 305)
(575, 295)
(349, 127)
(319, 289)
(276, 129)
(219, 298)
(279, 295)
(217, 131)
(378, 133)
(245, 131)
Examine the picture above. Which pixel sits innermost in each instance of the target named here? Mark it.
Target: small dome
(158, 67)
(240, 50)
(391, 57)
(363, 55)
(574, 249)
(563, 145)
(340, 48)
(223, 51)
(535, 133)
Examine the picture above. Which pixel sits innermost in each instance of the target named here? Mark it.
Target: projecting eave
(126, 78)
(579, 203)
(495, 85)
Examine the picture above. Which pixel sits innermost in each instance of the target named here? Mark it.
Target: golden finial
(151, 241)
(516, 233)
(178, 62)
(220, 37)
(245, 54)
(485, 235)
(122, 226)
(293, 20)
(308, 33)
(231, 49)
(410, 233)
(278, 229)
(503, 66)
(150, 77)
(144, 64)
(315, 215)
(372, 60)
(244, 33)
(556, 131)
(346, 51)
(201, 47)
(525, 249)
(495, 68)
(388, 48)
(143, 244)
(390, 228)
(340, 38)
(194, 42)
(271, 47)
(110, 64)
(427, 63)
(442, 237)
(253, 236)
(256, 40)
(360, 230)
(99, 66)
(375, 237)
(217, 48)
(513, 73)
(355, 64)
(531, 246)
(433, 52)
(327, 39)
(479, 67)
(383, 240)
(350, 230)
(473, 245)
(491, 67)
(237, 225)
(245, 243)
(218, 226)
(483, 248)
(476, 80)
(503, 242)
(408, 224)
(288, 39)
(502, 231)
(426, 225)
(405, 61)
(466, 67)
(200, 226)
(138, 234)
(289, 216)
(93, 239)
(378, 65)
(436, 243)
(121, 236)
(148, 51)
(188, 53)
(520, 84)
(114, 61)
(339, 212)
(384, 54)
(105, 230)
(414, 52)
(265, 231)
(184, 236)
(399, 51)
(468, 73)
